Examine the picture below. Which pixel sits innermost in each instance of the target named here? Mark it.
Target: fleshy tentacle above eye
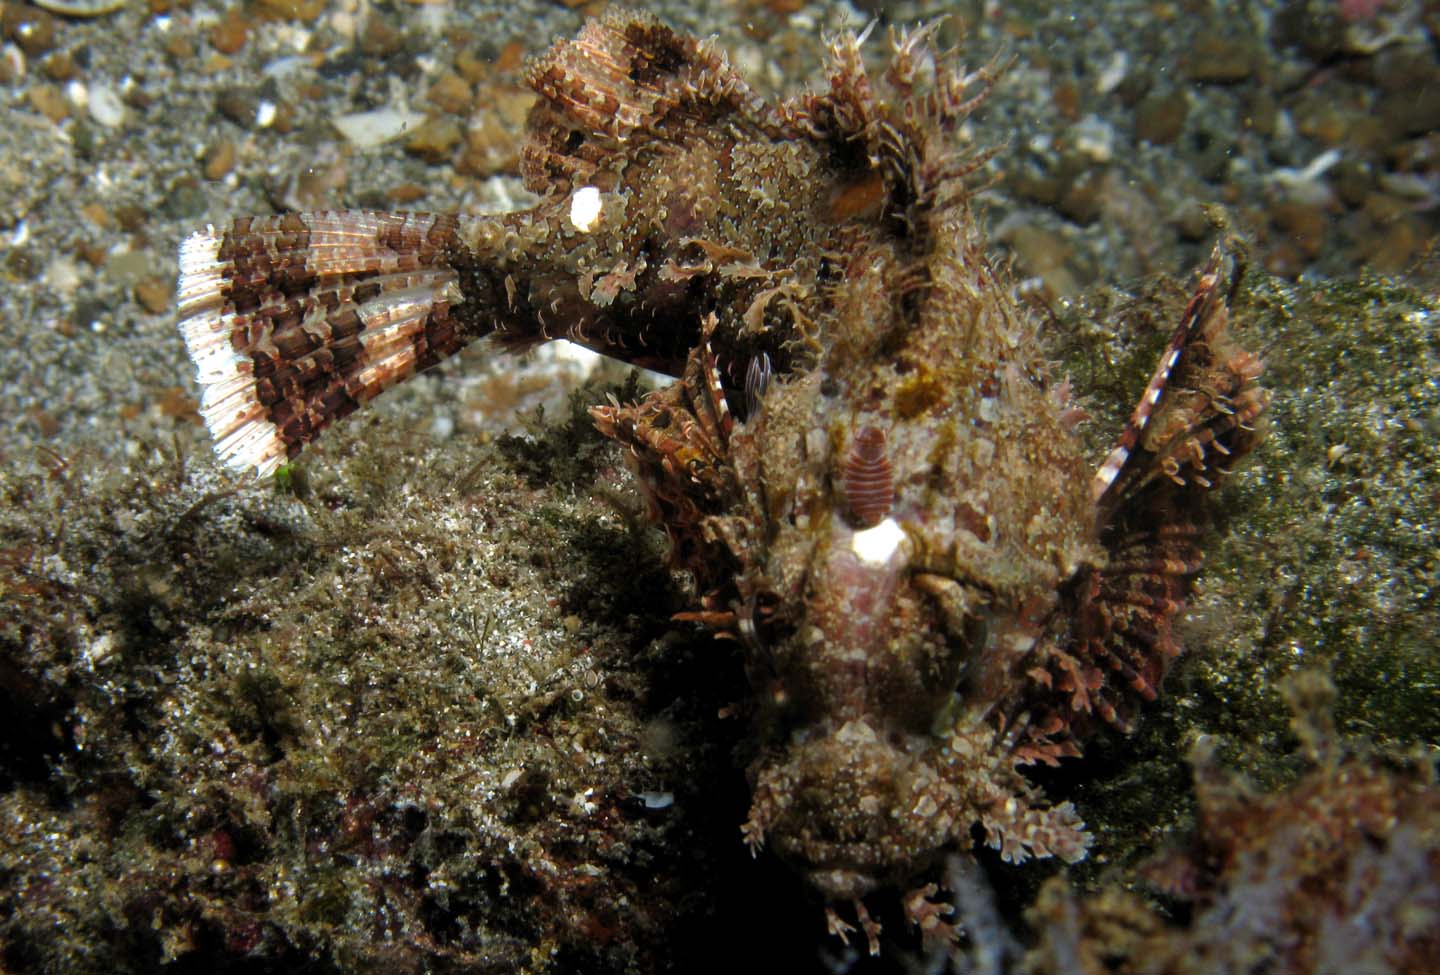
(869, 482)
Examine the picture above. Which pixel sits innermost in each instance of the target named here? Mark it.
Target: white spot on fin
(585, 208)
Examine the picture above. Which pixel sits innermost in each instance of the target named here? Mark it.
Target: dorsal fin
(627, 77)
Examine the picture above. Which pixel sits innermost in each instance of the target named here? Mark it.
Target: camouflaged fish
(865, 464)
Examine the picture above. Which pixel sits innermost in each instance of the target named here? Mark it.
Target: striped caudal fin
(295, 321)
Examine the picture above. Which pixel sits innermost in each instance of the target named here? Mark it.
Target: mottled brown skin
(1025, 601)
(900, 527)
(887, 690)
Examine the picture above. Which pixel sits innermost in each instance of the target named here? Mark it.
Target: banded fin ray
(627, 78)
(297, 320)
(1195, 419)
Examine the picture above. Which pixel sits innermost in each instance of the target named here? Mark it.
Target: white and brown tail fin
(295, 321)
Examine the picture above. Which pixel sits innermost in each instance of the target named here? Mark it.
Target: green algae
(345, 726)
(1332, 539)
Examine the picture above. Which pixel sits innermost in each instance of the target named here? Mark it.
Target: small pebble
(1192, 222)
(1218, 59)
(406, 194)
(60, 66)
(45, 422)
(1405, 67)
(239, 105)
(1094, 138)
(49, 102)
(1066, 100)
(1353, 180)
(20, 264)
(1320, 117)
(1397, 246)
(105, 106)
(1415, 111)
(131, 217)
(97, 215)
(434, 140)
(281, 117)
(1044, 254)
(92, 253)
(1081, 200)
(513, 104)
(451, 94)
(302, 10)
(176, 401)
(32, 29)
(219, 160)
(369, 129)
(81, 8)
(472, 65)
(1385, 208)
(63, 276)
(379, 37)
(511, 57)
(230, 34)
(1304, 226)
(129, 268)
(1113, 73)
(658, 800)
(12, 64)
(154, 293)
(490, 147)
(179, 47)
(1160, 118)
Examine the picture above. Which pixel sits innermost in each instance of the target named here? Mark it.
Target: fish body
(865, 464)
